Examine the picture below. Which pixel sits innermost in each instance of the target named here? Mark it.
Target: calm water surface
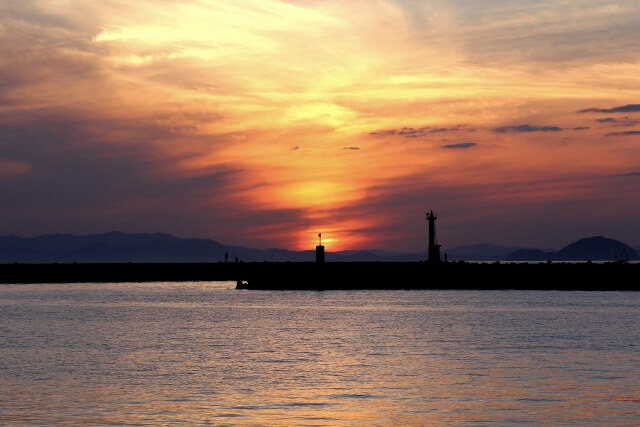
(205, 353)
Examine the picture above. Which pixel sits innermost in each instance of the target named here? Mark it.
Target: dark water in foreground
(205, 353)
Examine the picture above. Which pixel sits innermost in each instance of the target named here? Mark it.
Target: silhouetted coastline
(433, 273)
(116, 247)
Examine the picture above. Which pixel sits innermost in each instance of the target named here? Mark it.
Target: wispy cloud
(537, 32)
(460, 145)
(12, 168)
(630, 108)
(411, 132)
(527, 129)
(350, 148)
(578, 128)
(75, 162)
(627, 133)
(624, 121)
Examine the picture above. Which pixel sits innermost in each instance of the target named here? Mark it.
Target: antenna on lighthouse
(319, 239)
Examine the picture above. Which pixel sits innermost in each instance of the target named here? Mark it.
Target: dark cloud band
(460, 145)
(527, 129)
(630, 108)
(628, 133)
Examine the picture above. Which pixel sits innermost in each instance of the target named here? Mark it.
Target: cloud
(527, 128)
(12, 168)
(411, 132)
(350, 148)
(624, 121)
(627, 133)
(631, 174)
(537, 32)
(76, 161)
(630, 108)
(460, 145)
(452, 129)
(581, 128)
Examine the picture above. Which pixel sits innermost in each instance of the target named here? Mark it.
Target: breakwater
(611, 276)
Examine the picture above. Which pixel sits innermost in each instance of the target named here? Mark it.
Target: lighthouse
(319, 249)
(434, 247)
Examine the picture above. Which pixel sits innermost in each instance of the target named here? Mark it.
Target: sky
(263, 123)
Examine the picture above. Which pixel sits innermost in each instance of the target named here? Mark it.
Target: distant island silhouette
(117, 247)
(596, 248)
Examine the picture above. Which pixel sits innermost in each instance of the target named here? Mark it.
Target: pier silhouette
(430, 273)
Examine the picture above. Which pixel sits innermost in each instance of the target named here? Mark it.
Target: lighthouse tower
(434, 247)
(319, 249)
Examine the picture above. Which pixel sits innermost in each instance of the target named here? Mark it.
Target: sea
(205, 353)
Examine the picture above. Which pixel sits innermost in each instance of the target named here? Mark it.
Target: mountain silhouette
(530, 255)
(480, 252)
(118, 247)
(597, 248)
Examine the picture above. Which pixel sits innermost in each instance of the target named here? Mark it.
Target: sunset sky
(265, 122)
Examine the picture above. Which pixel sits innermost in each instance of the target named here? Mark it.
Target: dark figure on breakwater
(434, 247)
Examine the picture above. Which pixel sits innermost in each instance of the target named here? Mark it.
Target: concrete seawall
(344, 275)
